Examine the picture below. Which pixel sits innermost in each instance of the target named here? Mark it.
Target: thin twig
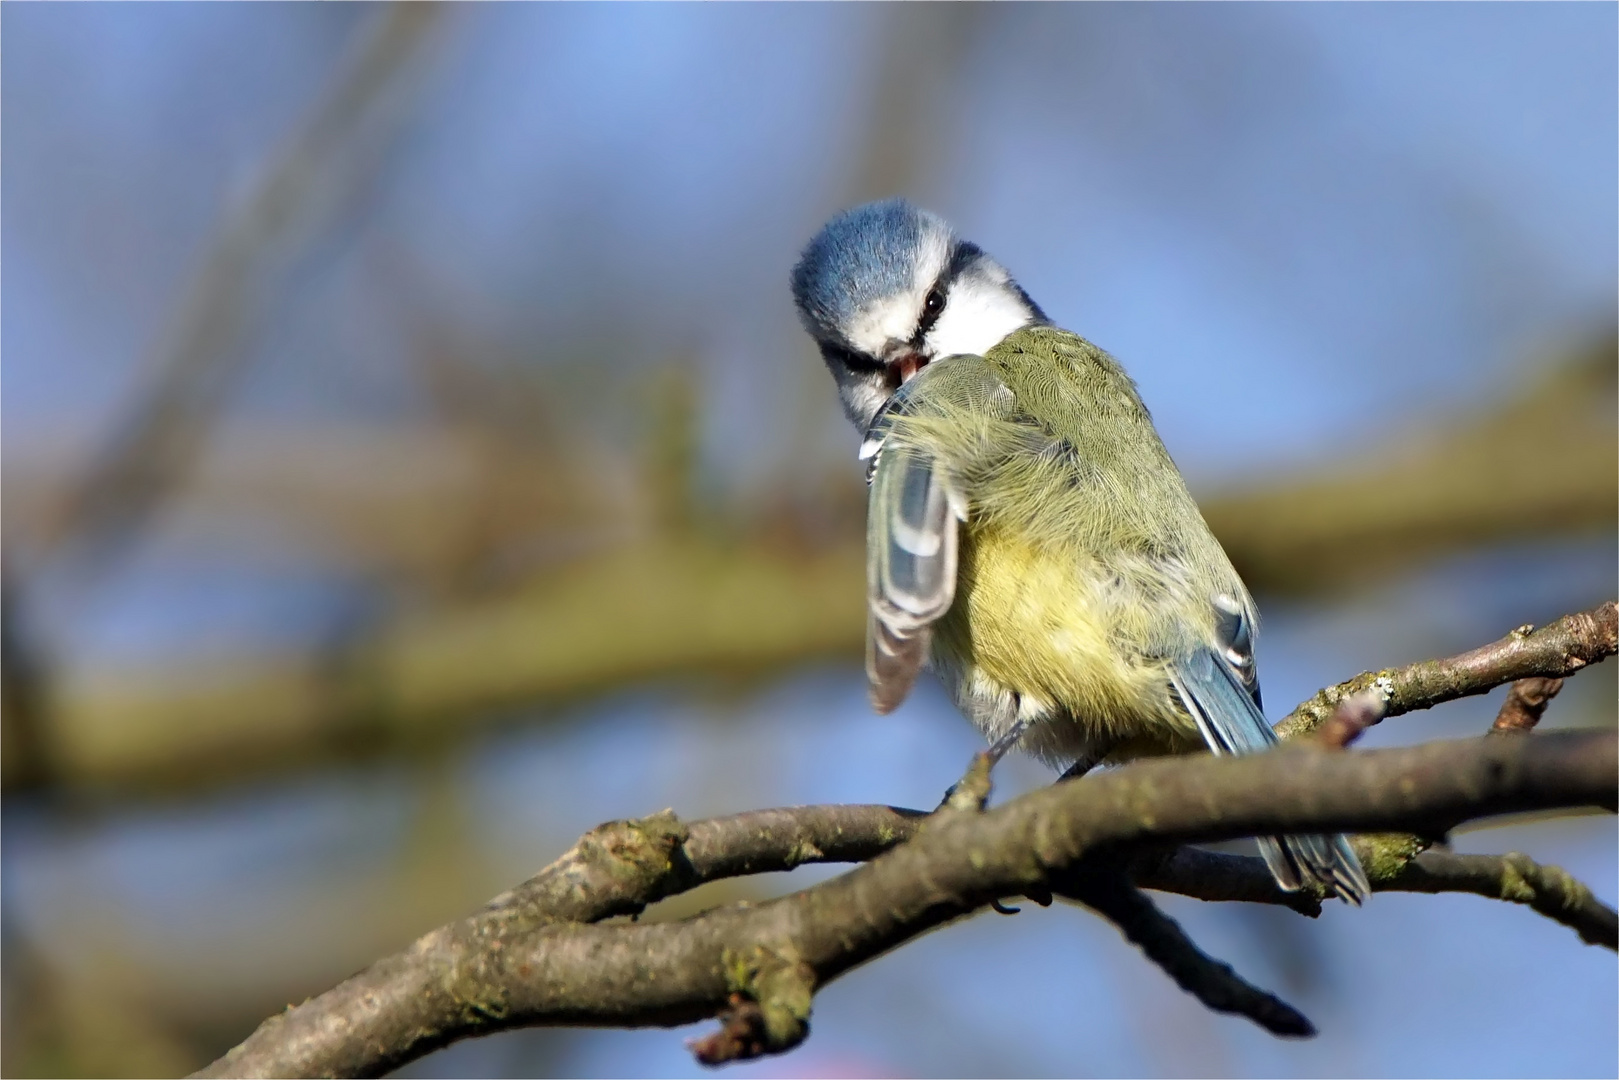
(1554, 651)
(1549, 890)
(1525, 704)
(1105, 889)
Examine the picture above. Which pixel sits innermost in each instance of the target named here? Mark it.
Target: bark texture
(512, 965)
(541, 953)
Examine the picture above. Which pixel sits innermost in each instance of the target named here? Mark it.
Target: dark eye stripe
(963, 255)
(854, 361)
(932, 308)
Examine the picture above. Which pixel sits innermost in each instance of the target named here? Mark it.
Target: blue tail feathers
(1231, 723)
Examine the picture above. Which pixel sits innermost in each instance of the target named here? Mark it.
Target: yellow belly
(1050, 625)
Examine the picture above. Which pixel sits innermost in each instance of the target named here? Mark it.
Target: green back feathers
(1064, 453)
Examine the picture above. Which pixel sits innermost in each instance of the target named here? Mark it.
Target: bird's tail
(1231, 723)
(1326, 858)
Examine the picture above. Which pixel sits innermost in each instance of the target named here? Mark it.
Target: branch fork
(532, 956)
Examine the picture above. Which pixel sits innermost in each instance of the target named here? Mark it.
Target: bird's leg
(999, 748)
(983, 762)
(997, 751)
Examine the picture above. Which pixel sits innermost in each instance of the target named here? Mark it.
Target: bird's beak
(908, 365)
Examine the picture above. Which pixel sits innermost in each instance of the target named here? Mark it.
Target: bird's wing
(910, 569)
(915, 509)
(1219, 688)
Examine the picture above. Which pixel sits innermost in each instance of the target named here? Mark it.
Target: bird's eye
(934, 303)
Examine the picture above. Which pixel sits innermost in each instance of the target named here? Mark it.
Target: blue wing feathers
(913, 515)
(911, 572)
(1227, 716)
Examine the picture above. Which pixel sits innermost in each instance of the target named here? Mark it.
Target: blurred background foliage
(411, 460)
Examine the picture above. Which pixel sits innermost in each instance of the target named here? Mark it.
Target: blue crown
(861, 255)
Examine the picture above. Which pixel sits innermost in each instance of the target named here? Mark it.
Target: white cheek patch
(978, 316)
(931, 257)
(891, 318)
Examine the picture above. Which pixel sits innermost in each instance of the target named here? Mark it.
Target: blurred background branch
(733, 600)
(1536, 464)
(302, 204)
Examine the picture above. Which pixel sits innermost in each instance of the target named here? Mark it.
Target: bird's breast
(1049, 621)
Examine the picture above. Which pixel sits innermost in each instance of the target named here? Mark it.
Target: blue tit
(1028, 534)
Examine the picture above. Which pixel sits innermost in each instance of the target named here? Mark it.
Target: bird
(1028, 535)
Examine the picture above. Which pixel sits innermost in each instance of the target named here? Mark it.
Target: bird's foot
(971, 792)
(1039, 896)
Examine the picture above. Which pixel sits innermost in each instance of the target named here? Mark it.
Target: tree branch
(504, 968)
(1107, 891)
(1554, 651)
(1525, 704)
(621, 867)
(1216, 876)
(1551, 891)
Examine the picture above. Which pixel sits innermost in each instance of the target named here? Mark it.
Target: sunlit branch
(1554, 651)
(511, 967)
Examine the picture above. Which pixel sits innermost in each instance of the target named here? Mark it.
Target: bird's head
(887, 288)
